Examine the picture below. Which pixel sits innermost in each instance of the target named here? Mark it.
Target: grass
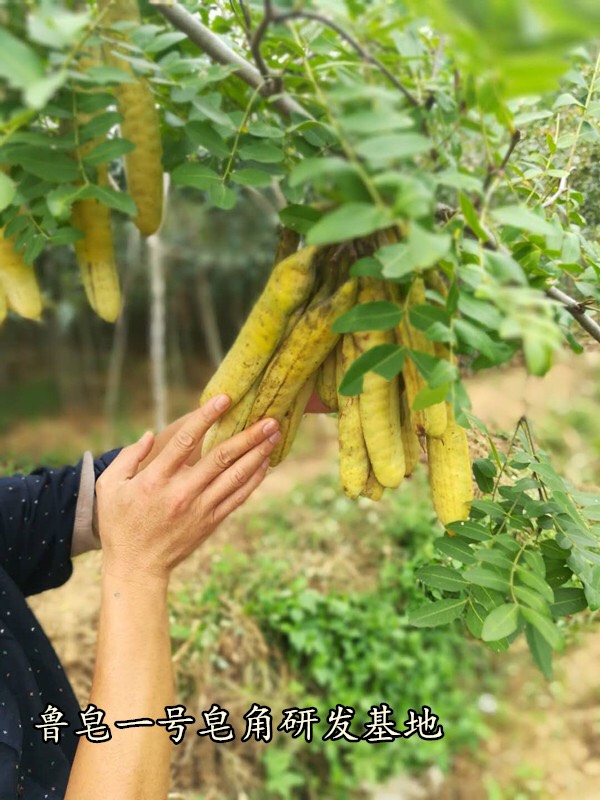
(307, 607)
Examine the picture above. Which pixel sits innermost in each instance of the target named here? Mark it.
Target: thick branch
(214, 47)
(577, 310)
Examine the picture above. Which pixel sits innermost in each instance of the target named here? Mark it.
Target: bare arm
(150, 520)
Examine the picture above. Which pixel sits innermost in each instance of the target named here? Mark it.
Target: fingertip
(220, 402)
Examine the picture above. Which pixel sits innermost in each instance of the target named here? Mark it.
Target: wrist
(118, 575)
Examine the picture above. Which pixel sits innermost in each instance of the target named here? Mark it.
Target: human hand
(152, 519)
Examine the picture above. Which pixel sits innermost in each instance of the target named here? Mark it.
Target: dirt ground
(545, 740)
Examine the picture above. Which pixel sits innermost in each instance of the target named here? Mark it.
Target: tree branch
(216, 49)
(492, 171)
(577, 310)
(272, 16)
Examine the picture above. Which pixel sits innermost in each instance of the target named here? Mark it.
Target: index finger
(189, 436)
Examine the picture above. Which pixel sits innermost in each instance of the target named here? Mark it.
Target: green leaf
(470, 530)
(264, 152)
(112, 198)
(251, 177)
(546, 627)
(99, 125)
(474, 618)
(501, 622)
(348, 222)
(65, 236)
(426, 317)
(299, 218)
(471, 218)
(568, 601)
(310, 168)
(390, 148)
(536, 582)
(164, 40)
(203, 134)
(262, 129)
(386, 360)
(540, 650)
(60, 200)
(49, 164)
(456, 549)
(488, 598)
(459, 180)
(484, 471)
(496, 557)
(504, 268)
(33, 249)
(197, 175)
(108, 75)
(7, 191)
(20, 66)
(366, 267)
(531, 599)
(440, 612)
(222, 196)
(380, 315)
(487, 577)
(373, 121)
(439, 577)
(37, 94)
(16, 225)
(109, 150)
(436, 371)
(56, 27)
(524, 219)
(429, 396)
(421, 251)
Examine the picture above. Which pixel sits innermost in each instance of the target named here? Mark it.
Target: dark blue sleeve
(37, 512)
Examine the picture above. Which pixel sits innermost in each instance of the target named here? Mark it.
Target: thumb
(127, 463)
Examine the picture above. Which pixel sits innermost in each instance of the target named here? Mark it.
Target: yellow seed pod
(379, 403)
(18, 281)
(232, 422)
(288, 287)
(450, 472)
(96, 256)
(140, 125)
(327, 382)
(95, 251)
(354, 459)
(291, 422)
(373, 489)
(432, 420)
(410, 441)
(301, 353)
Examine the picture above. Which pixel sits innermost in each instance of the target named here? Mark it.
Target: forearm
(133, 679)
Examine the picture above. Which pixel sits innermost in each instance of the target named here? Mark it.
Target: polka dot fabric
(36, 526)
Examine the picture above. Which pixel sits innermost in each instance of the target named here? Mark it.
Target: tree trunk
(119, 347)
(157, 330)
(208, 320)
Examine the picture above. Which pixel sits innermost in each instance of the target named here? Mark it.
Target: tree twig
(577, 310)
(562, 188)
(216, 49)
(492, 170)
(271, 16)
